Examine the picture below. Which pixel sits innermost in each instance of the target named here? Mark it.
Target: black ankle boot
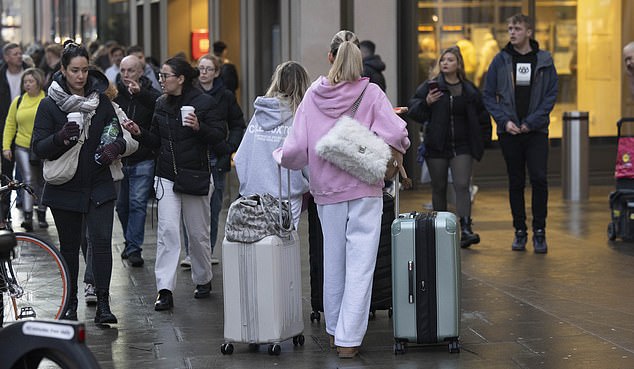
(104, 315)
(70, 313)
(41, 219)
(27, 224)
(467, 237)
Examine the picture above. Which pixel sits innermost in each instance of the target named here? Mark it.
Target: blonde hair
(348, 63)
(216, 61)
(37, 74)
(289, 82)
(455, 50)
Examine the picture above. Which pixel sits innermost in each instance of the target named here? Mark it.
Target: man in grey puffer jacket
(520, 93)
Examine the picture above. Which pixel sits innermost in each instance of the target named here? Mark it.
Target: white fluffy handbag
(352, 147)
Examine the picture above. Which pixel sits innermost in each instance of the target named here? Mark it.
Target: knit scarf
(68, 103)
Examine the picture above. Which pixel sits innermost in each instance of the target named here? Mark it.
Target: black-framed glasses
(206, 69)
(164, 76)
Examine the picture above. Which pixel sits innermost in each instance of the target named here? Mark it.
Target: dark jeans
(529, 150)
(216, 203)
(70, 228)
(132, 203)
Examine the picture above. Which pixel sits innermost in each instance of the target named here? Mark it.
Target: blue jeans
(216, 204)
(132, 202)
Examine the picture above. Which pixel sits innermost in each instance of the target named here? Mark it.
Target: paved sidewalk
(571, 308)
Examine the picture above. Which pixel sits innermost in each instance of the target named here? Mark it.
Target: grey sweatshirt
(256, 169)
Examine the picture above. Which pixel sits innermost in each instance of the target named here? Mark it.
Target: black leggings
(461, 173)
(70, 228)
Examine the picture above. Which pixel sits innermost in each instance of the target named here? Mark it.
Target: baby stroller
(622, 200)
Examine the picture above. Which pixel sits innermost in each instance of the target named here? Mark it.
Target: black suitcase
(382, 282)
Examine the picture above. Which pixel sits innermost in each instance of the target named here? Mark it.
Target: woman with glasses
(456, 127)
(181, 143)
(228, 111)
(84, 204)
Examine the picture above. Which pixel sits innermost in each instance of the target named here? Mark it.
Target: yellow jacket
(21, 120)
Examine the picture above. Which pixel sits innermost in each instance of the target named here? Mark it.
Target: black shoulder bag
(189, 181)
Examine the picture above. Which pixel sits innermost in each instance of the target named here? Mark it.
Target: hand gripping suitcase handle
(288, 193)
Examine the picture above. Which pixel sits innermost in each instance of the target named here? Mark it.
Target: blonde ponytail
(348, 63)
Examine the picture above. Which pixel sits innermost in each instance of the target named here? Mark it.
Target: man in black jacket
(137, 98)
(10, 87)
(373, 66)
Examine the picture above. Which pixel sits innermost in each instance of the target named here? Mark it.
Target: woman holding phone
(456, 128)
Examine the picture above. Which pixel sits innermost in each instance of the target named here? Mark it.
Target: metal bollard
(574, 156)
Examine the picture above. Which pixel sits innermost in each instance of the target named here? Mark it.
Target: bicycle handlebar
(15, 185)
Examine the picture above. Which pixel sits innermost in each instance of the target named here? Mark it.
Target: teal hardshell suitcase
(426, 280)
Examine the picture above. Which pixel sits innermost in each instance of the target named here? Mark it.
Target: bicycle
(35, 278)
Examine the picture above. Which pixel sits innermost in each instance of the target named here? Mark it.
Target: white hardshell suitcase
(262, 291)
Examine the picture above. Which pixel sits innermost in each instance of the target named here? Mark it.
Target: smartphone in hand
(433, 85)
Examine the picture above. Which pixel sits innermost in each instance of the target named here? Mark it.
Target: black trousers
(72, 226)
(521, 152)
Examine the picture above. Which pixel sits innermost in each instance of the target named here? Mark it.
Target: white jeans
(197, 220)
(351, 240)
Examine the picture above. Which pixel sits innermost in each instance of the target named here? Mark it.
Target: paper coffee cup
(76, 117)
(185, 110)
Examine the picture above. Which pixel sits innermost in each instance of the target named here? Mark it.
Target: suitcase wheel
(226, 348)
(454, 347)
(611, 231)
(299, 340)
(275, 349)
(399, 348)
(315, 316)
(390, 312)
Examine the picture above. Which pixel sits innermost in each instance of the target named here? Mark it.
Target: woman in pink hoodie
(349, 209)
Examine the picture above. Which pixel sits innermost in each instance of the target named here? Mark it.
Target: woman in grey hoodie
(269, 126)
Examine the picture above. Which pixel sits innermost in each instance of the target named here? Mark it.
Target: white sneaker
(215, 261)
(186, 263)
(89, 294)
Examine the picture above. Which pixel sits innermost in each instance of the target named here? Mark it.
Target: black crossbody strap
(169, 133)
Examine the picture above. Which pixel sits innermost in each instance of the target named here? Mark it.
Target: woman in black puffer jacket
(181, 144)
(457, 129)
(85, 203)
(228, 111)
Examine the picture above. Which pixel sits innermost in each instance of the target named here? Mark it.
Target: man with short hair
(10, 88)
(520, 93)
(148, 72)
(116, 54)
(137, 98)
(628, 59)
(373, 66)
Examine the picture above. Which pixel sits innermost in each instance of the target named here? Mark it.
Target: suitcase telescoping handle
(412, 280)
(288, 193)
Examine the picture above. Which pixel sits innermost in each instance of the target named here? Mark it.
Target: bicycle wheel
(41, 285)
